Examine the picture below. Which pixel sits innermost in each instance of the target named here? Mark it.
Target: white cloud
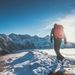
(68, 21)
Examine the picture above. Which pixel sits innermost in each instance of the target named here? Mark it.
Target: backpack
(58, 32)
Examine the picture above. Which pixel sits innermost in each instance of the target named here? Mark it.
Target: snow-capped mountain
(9, 43)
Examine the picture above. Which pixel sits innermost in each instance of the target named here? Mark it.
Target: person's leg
(57, 44)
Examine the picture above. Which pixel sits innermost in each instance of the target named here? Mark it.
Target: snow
(39, 62)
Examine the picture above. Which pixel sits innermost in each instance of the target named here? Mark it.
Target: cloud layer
(68, 21)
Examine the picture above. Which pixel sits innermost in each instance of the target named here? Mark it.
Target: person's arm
(65, 40)
(51, 36)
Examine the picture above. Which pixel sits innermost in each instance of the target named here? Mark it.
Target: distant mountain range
(12, 42)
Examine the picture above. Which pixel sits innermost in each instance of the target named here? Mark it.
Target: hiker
(57, 34)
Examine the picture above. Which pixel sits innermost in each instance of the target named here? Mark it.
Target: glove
(51, 41)
(65, 42)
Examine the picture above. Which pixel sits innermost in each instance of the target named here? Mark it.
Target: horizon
(37, 17)
(34, 35)
(24, 34)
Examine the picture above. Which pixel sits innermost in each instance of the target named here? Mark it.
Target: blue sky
(34, 17)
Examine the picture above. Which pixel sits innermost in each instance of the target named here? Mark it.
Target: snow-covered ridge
(9, 43)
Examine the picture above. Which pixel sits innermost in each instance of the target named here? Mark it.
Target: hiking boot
(51, 73)
(60, 58)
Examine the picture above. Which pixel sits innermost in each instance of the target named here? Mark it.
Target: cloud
(68, 21)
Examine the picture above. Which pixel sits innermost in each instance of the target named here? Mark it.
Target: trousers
(57, 45)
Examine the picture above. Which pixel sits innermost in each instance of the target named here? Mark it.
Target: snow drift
(38, 62)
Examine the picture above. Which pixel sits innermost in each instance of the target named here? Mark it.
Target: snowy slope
(39, 62)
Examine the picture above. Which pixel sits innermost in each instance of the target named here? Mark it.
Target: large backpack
(58, 32)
